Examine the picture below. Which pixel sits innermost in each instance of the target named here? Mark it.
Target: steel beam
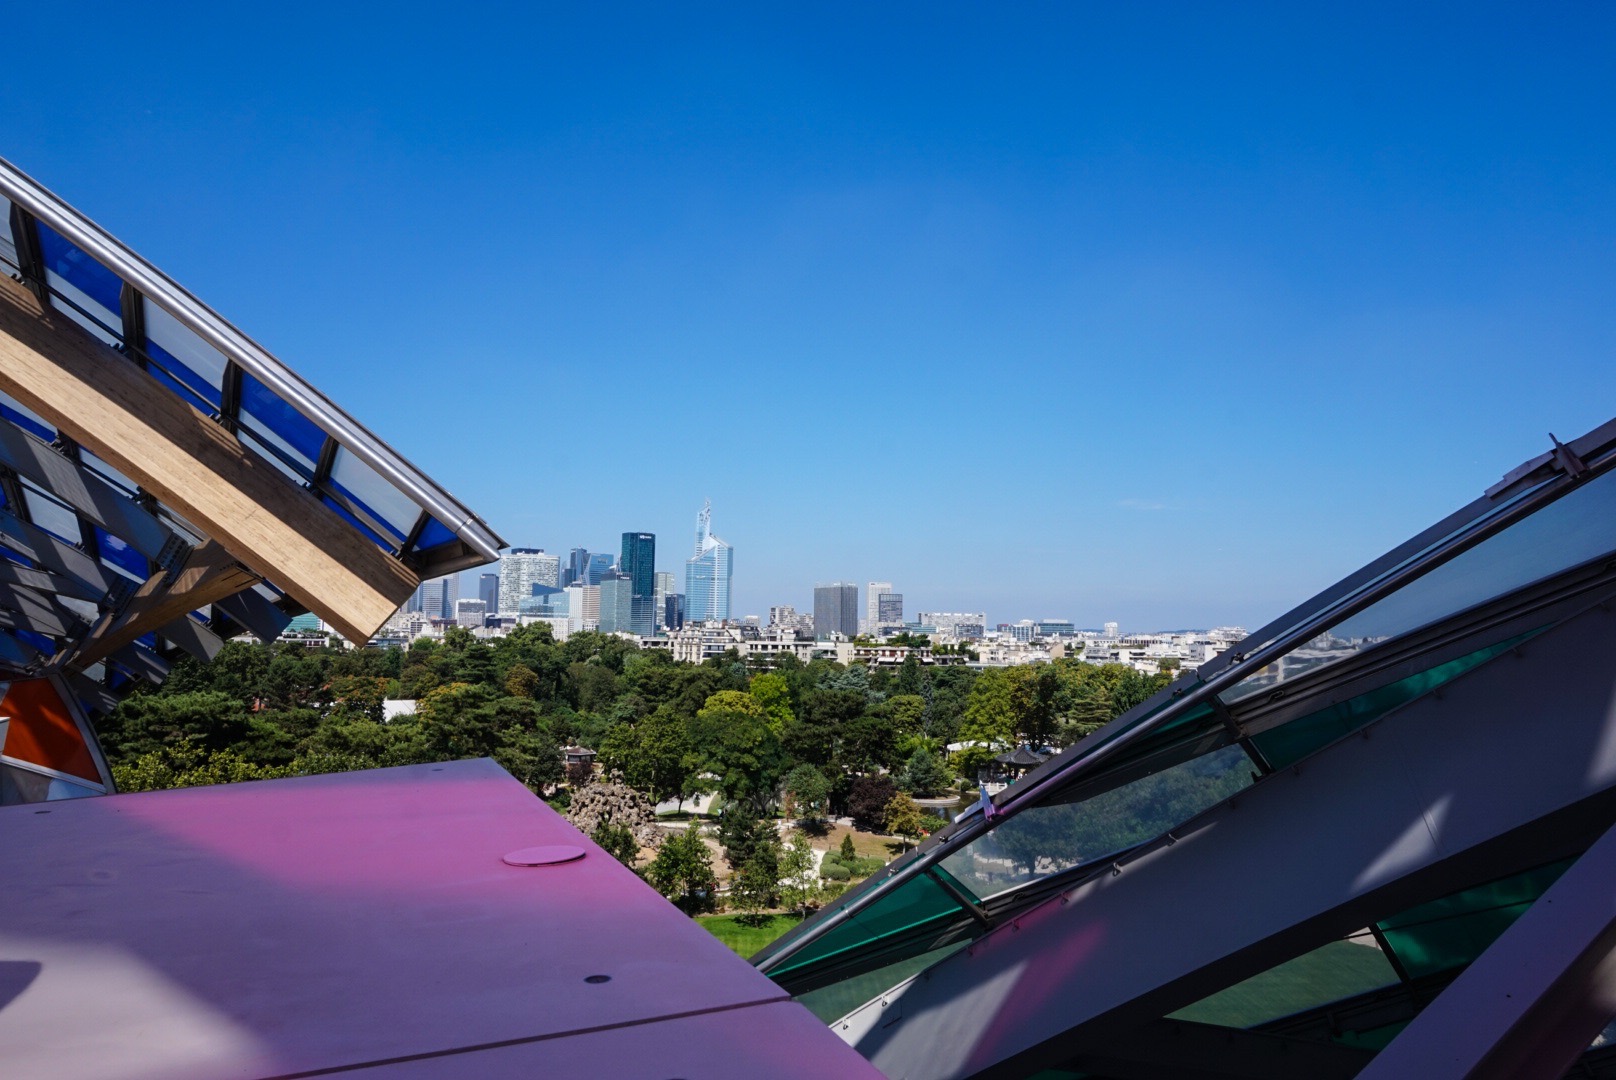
(1529, 1006)
(210, 574)
(1412, 807)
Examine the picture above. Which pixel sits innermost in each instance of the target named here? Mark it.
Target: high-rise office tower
(616, 603)
(872, 604)
(664, 589)
(576, 570)
(836, 609)
(519, 570)
(707, 574)
(638, 561)
(889, 612)
(438, 597)
(488, 592)
(600, 564)
(673, 612)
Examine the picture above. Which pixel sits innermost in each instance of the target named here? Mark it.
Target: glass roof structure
(1535, 549)
(82, 543)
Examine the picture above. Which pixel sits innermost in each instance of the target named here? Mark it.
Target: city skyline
(1130, 286)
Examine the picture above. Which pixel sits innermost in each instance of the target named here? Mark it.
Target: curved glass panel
(916, 903)
(87, 278)
(266, 413)
(1052, 837)
(434, 534)
(375, 496)
(1567, 532)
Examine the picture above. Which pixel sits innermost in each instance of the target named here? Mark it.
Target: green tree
(809, 792)
(773, 695)
(798, 882)
(187, 764)
(848, 852)
(755, 885)
(653, 755)
(683, 872)
(905, 819)
(923, 774)
(617, 841)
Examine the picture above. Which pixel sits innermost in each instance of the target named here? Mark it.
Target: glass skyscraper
(638, 561)
(707, 573)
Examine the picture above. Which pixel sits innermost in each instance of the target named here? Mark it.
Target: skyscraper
(519, 570)
(707, 573)
(438, 597)
(576, 571)
(599, 565)
(665, 587)
(836, 609)
(488, 592)
(872, 603)
(616, 603)
(889, 612)
(638, 561)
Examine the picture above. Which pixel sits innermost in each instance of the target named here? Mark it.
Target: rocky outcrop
(621, 805)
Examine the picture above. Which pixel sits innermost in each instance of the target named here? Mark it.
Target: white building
(872, 605)
(470, 613)
(519, 570)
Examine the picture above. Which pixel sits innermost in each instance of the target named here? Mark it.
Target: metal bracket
(1567, 458)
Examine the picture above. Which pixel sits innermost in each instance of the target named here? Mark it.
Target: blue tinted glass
(355, 522)
(120, 554)
(27, 423)
(374, 516)
(39, 641)
(179, 378)
(116, 679)
(283, 421)
(83, 272)
(148, 640)
(14, 555)
(435, 533)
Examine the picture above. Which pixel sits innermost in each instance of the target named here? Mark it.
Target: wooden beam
(200, 470)
(210, 574)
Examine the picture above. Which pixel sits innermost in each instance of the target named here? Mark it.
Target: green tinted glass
(918, 902)
(1454, 930)
(1291, 742)
(1341, 969)
(1047, 839)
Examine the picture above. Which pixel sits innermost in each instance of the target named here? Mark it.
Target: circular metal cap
(545, 856)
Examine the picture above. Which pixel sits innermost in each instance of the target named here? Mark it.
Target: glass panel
(8, 249)
(26, 418)
(374, 495)
(913, 904)
(1454, 930)
(1289, 743)
(51, 515)
(107, 472)
(41, 642)
(433, 534)
(1570, 531)
(266, 413)
(835, 1001)
(1341, 969)
(343, 513)
(87, 278)
(1049, 838)
(188, 359)
(120, 555)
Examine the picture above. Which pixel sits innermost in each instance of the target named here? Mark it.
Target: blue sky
(1169, 314)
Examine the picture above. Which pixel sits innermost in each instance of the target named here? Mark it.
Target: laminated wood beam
(200, 470)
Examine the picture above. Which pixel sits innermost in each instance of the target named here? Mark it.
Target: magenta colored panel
(782, 1041)
(287, 925)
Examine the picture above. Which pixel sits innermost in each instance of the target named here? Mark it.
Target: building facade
(616, 591)
(519, 570)
(873, 591)
(707, 574)
(638, 561)
(836, 610)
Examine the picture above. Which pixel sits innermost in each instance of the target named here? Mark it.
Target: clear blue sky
(1169, 315)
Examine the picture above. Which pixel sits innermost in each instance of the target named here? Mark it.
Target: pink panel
(334, 920)
(783, 1041)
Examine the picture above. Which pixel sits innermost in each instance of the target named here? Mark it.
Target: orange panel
(43, 732)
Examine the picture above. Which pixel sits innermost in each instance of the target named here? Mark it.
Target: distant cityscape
(624, 593)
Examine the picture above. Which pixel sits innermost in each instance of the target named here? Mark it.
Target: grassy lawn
(744, 939)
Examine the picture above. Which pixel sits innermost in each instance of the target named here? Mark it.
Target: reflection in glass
(1047, 839)
(1567, 532)
(372, 494)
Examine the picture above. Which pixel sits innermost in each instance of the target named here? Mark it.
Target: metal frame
(1522, 492)
(33, 198)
